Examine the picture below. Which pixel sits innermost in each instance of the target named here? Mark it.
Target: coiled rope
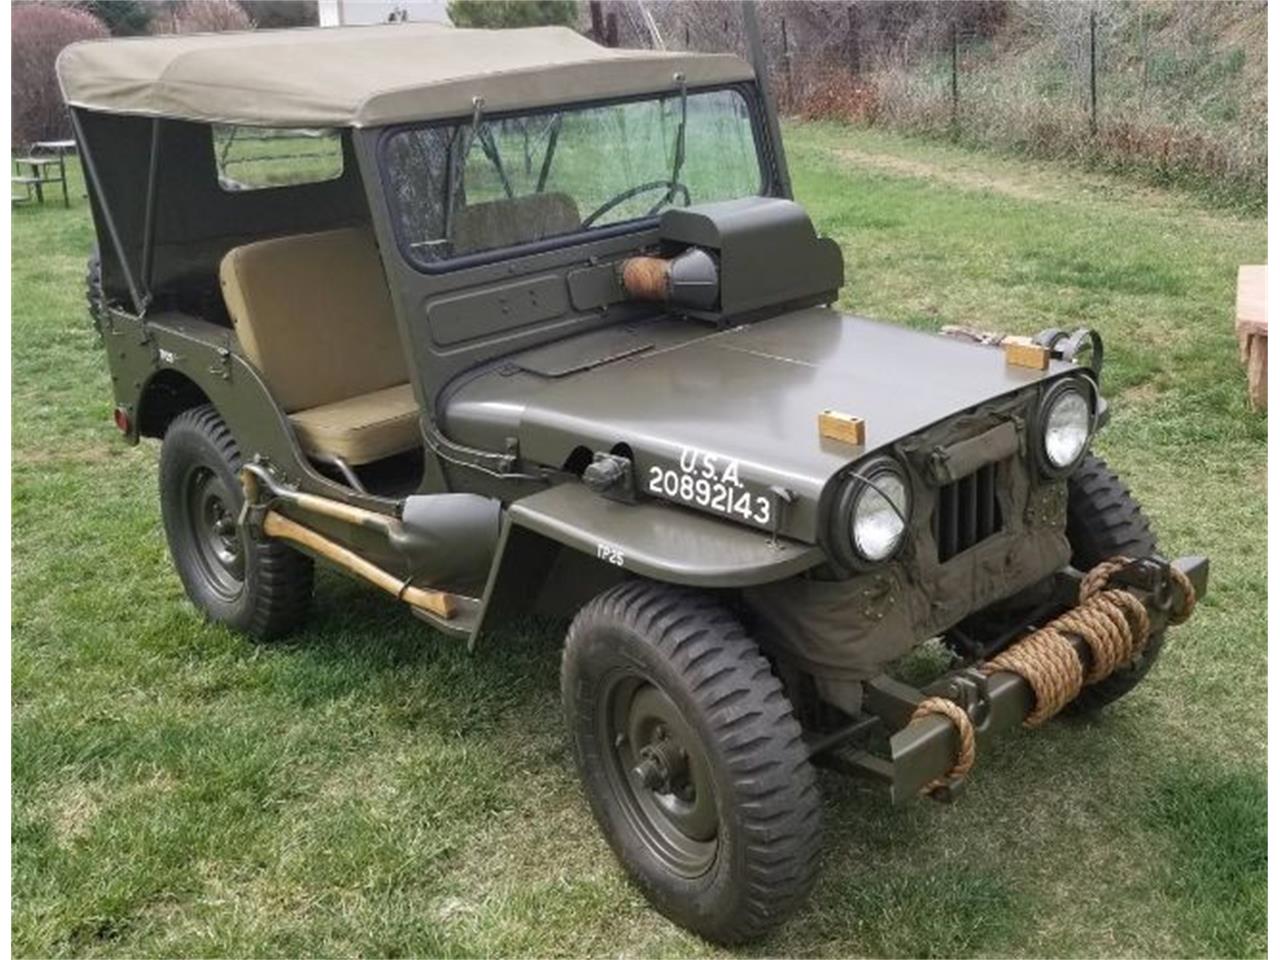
(1112, 623)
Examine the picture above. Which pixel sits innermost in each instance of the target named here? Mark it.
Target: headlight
(879, 517)
(1067, 420)
(875, 505)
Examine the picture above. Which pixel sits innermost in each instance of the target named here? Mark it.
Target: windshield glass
(457, 189)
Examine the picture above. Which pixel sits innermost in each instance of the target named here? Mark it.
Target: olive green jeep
(504, 322)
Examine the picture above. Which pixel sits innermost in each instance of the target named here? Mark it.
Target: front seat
(505, 223)
(313, 314)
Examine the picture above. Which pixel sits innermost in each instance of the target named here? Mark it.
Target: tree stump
(1251, 331)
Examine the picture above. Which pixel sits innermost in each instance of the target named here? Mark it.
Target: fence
(1174, 90)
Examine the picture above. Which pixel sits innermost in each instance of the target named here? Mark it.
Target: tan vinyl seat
(313, 314)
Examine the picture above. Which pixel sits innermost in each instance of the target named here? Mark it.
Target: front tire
(259, 587)
(691, 759)
(1104, 520)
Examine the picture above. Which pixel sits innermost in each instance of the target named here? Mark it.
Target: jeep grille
(968, 512)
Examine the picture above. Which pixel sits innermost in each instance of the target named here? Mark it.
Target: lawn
(370, 788)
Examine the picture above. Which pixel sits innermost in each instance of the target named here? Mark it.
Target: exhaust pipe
(279, 526)
(444, 537)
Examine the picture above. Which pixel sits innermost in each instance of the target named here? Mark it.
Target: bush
(124, 18)
(274, 14)
(499, 14)
(199, 16)
(40, 31)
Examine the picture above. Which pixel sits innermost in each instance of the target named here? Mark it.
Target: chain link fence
(1173, 90)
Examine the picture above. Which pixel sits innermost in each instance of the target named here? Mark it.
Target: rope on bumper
(1114, 625)
(968, 751)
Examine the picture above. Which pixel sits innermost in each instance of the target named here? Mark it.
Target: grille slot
(967, 512)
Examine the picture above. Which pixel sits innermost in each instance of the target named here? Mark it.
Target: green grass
(369, 788)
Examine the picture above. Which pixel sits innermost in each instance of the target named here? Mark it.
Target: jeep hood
(747, 400)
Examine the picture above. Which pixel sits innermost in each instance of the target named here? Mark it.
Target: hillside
(1180, 87)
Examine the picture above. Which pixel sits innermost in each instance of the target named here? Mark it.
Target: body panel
(661, 541)
(748, 396)
(209, 356)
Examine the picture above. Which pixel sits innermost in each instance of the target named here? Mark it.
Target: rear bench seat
(313, 314)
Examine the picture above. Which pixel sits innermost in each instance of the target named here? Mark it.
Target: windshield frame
(759, 135)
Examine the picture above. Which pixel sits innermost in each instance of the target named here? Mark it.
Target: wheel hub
(215, 534)
(662, 776)
(664, 765)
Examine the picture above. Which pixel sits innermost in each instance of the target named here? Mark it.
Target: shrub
(199, 16)
(496, 14)
(274, 14)
(818, 92)
(124, 18)
(40, 31)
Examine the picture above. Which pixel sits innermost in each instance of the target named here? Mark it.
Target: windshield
(461, 189)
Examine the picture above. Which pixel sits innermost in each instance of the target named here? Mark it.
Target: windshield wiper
(553, 138)
(678, 162)
(490, 148)
(456, 163)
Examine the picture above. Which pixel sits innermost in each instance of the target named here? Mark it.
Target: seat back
(505, 223)
(314, 315)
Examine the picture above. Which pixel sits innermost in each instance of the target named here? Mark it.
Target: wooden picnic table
(1251, 330)
(45, 164)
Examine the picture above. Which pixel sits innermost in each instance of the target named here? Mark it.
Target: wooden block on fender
(1023, 352)
(844, 427)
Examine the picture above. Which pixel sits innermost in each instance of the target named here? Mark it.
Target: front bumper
(921, 752)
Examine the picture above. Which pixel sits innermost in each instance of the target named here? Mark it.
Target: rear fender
(175, 359)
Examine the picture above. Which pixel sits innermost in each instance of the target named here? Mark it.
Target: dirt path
(1037, 184)
(967, 179)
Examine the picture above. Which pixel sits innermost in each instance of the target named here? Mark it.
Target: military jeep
(504, 322)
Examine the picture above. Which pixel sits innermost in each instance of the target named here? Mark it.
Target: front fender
(662, 541)
(652, 539)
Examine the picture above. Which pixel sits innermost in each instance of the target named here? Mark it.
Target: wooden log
(1256, 371)
(1251, 330)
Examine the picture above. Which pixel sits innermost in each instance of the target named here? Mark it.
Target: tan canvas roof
(365, 76)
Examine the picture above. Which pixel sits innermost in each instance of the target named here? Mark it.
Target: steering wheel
(672, 187)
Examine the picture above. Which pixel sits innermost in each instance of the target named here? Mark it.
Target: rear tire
(259, 587)
(94, 298)
(691, 759)
(1103, 521)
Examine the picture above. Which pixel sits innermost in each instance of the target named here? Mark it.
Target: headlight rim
(855, 486)
(1087, 391)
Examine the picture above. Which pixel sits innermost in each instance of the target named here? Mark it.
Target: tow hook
(969, 690)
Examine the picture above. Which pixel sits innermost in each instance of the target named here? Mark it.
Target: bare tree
(40, 31)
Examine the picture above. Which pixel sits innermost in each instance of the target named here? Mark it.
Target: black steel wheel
(260, 587)
(1104, 520)
(691, 759)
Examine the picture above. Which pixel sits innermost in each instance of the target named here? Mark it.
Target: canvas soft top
(366, 76)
